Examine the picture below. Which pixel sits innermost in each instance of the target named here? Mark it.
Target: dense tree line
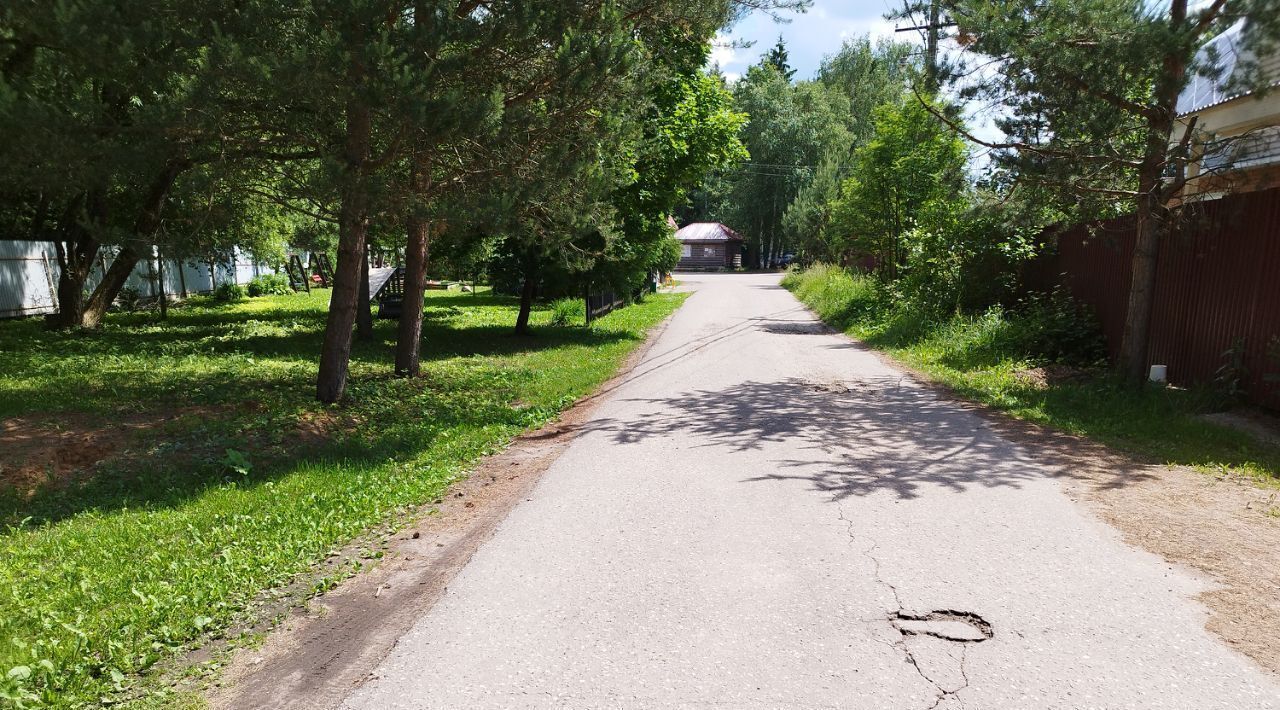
(557, 134)
(870, 163)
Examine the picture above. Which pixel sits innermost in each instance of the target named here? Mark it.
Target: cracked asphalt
(764, 515)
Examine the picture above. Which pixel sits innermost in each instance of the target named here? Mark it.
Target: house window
(708, 251)
(686, 251)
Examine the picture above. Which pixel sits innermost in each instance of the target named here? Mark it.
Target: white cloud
(722, 52)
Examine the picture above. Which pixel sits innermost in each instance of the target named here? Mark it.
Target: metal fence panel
(1217, 283)
(29, 276)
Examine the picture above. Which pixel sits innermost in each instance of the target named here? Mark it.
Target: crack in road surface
(944, 624)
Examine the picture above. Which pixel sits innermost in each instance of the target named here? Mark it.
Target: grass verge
(984, 358)
(249, 482)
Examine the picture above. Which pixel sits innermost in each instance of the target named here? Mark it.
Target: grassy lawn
(244, 482)
(977, 357)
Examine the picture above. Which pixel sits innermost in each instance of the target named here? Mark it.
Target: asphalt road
(765, 515)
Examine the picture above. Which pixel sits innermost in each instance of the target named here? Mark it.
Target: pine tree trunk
(164, 296)
(364, 314)
(335, 352)
(75, 262)
(70, 297)
(77, 251)
(1142, 284)
(526, 300)
(409, 336)
(1150, 218)
(182, 276)
(144, 229)
(112, 282)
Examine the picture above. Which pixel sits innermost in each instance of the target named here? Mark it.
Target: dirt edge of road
(322, 651)
(1221, 527)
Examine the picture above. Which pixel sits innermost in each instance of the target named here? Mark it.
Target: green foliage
(791, 129)
(838, 296)
(109, 573)
(909, 176)
(867, 76)
(130, 299)
(236, 462)
(690, 130)
(1228, 379)
(269, 285)
(1031, 361)
(1054, 328)
(230, 292)
(800, 138)
(567, 311)
(966, 261)
(778, 58)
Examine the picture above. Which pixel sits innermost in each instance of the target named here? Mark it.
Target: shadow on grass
(201, 357)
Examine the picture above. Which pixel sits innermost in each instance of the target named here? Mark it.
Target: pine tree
(104, 110)
(778, 58)
(1092, 115)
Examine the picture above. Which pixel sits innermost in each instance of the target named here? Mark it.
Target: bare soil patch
(1256, 422)
(1226, 527)
(52, 451)
(1042, 377)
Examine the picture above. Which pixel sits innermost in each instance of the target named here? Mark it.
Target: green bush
(1054, 327)
(565, 311)
(230, 292)
(270, 285)
(129, 299)
(965, 263)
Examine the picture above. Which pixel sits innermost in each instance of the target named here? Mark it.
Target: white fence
(29, 276)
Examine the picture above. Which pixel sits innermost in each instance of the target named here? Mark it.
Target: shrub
(129, 299)
(565, 311)
(270, 285)
(229, 292)
(1053, 327)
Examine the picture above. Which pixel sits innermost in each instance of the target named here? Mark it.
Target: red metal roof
(707, 232)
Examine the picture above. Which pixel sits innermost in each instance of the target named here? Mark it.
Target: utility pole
(932, 9)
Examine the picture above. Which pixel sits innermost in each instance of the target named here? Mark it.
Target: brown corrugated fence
(1218, 280)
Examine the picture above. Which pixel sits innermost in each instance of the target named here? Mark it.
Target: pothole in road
(946, 624)
(826, 388)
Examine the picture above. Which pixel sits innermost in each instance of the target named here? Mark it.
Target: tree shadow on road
(858, 437)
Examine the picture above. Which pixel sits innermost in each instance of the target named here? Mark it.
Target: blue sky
(809, 36)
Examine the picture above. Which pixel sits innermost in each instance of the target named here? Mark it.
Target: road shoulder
(322, 650)
(1223, 527)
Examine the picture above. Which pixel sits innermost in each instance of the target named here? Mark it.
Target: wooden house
(708, 246)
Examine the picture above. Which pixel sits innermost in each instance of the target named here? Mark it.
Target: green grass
(979, 358)
(102, 577)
